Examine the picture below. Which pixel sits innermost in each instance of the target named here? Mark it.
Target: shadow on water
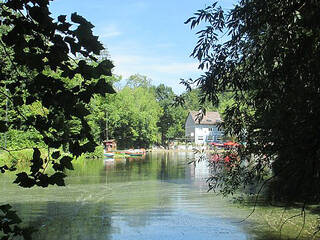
(82, 221)
(68, 220)
(157, 197)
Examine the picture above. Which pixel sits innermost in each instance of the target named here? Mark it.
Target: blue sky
(144, 36)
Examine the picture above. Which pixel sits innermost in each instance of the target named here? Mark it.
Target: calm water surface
(158, 197)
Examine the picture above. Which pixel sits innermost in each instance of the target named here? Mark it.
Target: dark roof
(208, 119)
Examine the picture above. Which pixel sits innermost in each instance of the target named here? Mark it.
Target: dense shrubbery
(269, 61)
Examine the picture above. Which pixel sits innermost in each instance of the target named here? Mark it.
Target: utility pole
(106, 115)
(5, 134)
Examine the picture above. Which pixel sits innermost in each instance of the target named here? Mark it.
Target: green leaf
(103, 87)
(5, 238)
(56, 155)
(36, 161)
(3, 126)
(17, 100)
(5, 208)
(30, 100)
(43, 180)
(80, 20)
(62, 18)
(81, 110)
(57, 178)
(24, 180)
(66, 162)
(13, 217)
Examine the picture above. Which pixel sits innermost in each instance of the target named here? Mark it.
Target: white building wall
(207, 133)
(201, 133)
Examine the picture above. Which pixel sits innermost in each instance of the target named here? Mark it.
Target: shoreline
(183, 150)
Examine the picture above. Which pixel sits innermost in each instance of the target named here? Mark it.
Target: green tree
(133, 114)
(193, 101)
(266, 53)
(100, 109)
(172, 120)
(37, 68)
(138, 80)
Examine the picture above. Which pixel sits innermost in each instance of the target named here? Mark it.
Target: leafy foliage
(172, 120)
(41, 70)
(266, 54)
(140, 114)
(46, 90)
(138, 80)
(133, 117)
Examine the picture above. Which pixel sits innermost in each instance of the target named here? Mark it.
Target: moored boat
(108, 154)
(135, 152)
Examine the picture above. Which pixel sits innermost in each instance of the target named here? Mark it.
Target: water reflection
(157, 197)
(69, 220)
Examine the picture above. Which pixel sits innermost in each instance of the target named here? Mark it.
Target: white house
(205, 130)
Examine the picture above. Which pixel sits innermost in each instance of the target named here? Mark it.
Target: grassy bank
(280, 222)
(21, 159)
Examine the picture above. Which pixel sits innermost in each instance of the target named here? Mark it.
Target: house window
(200, 137)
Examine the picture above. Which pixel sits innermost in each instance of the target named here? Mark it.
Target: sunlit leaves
(172, 118)
(37, 175)
(40, 44)
(132, 117)
(46, 91)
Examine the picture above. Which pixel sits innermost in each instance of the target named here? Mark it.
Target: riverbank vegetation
(56, 94)
(268, 59)
(58, 98)
(138, 115)
(45, 90)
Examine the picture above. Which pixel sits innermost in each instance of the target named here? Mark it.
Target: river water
(158, 197)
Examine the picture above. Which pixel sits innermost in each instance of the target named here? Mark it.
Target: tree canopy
(48, 89)
(134, 116)
(172, 120)
(266, 54)
(139, 116)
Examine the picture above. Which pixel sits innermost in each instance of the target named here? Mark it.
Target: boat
(216, 144)
(108, 160)
(135, 152)
(231, 144)
(108, 154)
(109, 148)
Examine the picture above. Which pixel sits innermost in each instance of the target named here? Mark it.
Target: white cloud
(109, 31)
(176, 67)
(129, 59)
(161, 70)
(151, 64)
